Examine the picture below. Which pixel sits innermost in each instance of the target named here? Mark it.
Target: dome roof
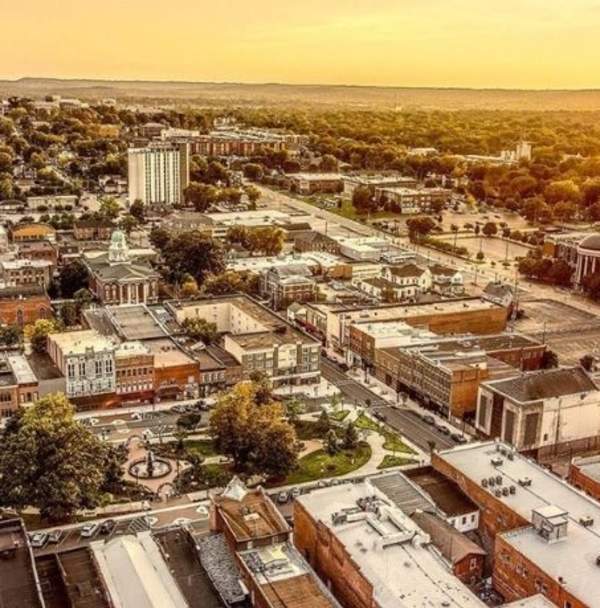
(591, 242)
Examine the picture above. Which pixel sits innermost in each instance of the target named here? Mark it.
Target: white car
(89, 530)
(38, 539)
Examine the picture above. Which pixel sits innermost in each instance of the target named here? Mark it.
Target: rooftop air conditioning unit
(510, 456)
(525, 482)
(484, 483)
(499, 479)
(497, 461)
(498, 493)
(586, 521)
(491, 482)
(504, 491)
(512, 490)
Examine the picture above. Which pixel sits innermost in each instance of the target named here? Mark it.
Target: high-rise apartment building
(158, 174)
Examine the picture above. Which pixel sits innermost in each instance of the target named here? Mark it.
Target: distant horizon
(140, 80)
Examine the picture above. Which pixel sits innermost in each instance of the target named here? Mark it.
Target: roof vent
(586, 521)
(484, 482)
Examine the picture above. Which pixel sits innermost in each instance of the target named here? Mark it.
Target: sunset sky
(474, 43)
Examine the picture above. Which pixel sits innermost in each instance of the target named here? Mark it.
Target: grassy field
(389, 460)
(319, 464)
(392, 441)
(339, 416)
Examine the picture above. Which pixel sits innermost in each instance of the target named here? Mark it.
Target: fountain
(150, 467)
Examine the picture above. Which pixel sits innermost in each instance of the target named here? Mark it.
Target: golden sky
(474, 43)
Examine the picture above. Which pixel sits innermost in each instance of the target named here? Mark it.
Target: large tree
(73, 277)
(192, 253)
(50, 461)
(37, 333)
(253, 431)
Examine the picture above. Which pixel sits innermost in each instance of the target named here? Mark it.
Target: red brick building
(584, 474)
(23, 305)
(544, 531)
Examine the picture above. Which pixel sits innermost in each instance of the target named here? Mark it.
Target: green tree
(362, 200)
(9, 335)
(490, 229)
(350, 436)
(200, 329)
(110, 208)
(332, 443)
(73, 277)
(254, 435)
(191, 253)
(37, 333)
(138, 211)
(69, 314)
(50, 461)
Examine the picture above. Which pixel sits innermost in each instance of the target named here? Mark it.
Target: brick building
(544, 531)
(283, 285)
(32, 232)
(447, 371)
(460, 316)
(92, 229)
(23, 305)
(584, 473)
(370, 553)
(119, 277)
(24, 272)
(134, 365)
(257, 536)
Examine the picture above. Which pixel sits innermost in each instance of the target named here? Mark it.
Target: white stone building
(87, 361)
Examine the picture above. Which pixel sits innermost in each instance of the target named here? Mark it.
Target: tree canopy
(50, 461)
(254, 432)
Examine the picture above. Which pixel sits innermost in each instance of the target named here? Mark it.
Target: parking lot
(553, 315)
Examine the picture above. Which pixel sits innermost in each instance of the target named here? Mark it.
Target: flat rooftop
(286, 578)
(70, 578)
(249, 514)
(77, 342)
(136, 574)
(589, 466)
(21, 369)
(445, 494)
(18, 579)
(390, 312)
(574, 557)
(167, 353)
(388, 548)
(186, 568)
(135, 322)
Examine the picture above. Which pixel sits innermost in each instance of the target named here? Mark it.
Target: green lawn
(339, 416)
(320, 465)
(204, 447)
(364, 422)
(390, 460)
(392, 441)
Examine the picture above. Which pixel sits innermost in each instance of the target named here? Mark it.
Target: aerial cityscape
(288, 325)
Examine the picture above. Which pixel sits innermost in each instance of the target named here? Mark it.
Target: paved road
(404, 421)
(408, 423)
(349, 387)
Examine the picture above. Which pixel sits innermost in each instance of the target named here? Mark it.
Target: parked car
(178, 409)
(55, 536)
(428, 419)
(443, 429)
(380, 416)
(459, 438)
(344, 367)
(38, 539)
(89, 530)
(107, 526)
(137, 416)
